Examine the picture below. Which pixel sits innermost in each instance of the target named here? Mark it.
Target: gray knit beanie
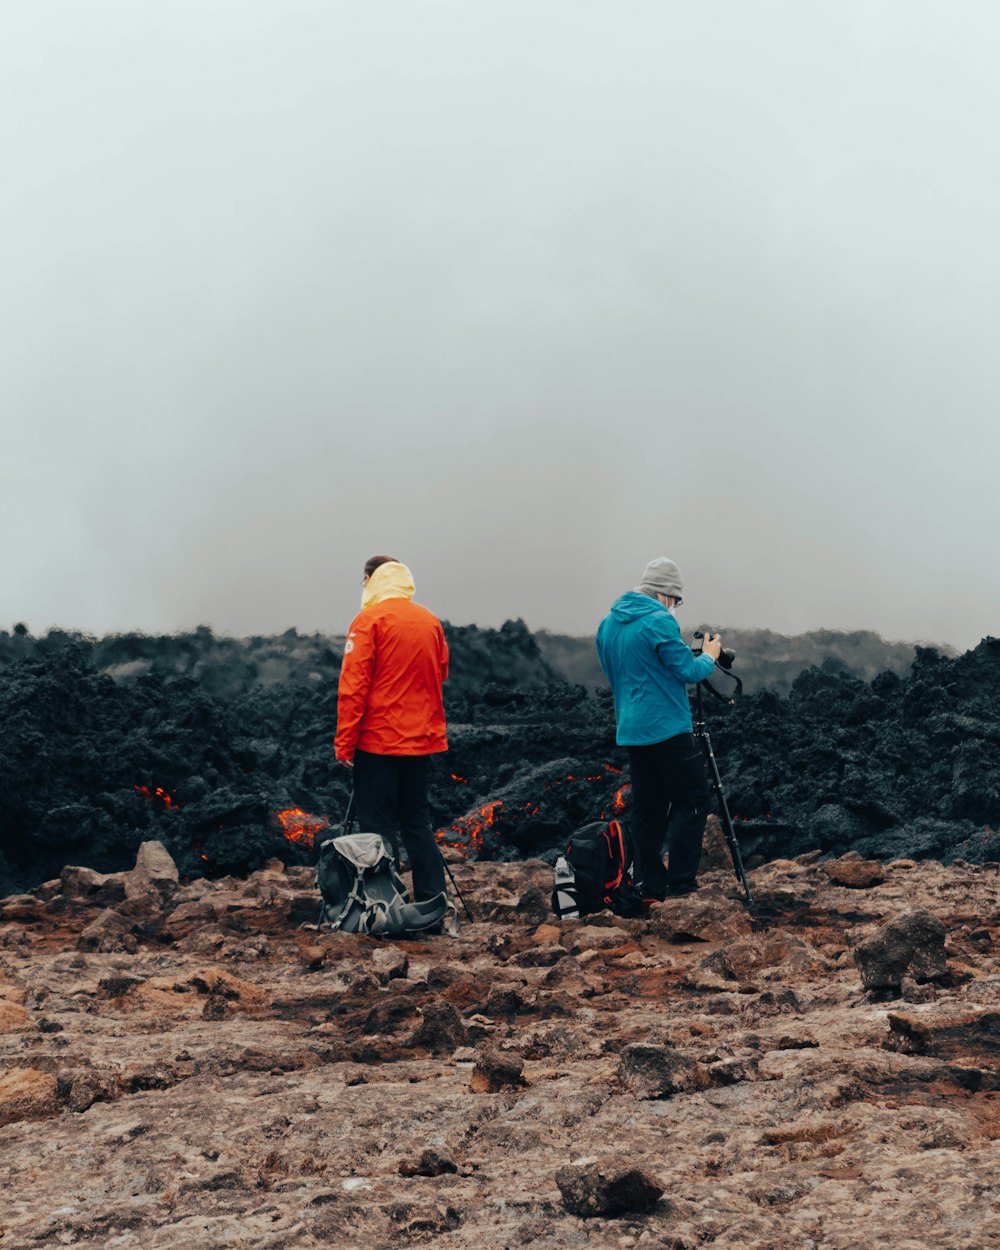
(661, 577)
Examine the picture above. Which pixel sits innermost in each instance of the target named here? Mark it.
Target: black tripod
(701, 734)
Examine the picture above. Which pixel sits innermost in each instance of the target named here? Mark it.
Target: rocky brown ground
(186, 1066)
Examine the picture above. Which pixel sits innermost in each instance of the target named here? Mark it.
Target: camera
(726, 656)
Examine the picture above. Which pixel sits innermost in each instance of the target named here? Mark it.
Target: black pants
(667, 777)
(390, 798)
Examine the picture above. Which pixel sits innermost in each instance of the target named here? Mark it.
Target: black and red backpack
(595, 873)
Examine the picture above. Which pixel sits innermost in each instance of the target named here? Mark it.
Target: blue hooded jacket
(649, 667)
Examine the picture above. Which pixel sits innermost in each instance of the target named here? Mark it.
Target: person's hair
(373, 562)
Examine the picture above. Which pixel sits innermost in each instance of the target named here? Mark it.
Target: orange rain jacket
(395, 660)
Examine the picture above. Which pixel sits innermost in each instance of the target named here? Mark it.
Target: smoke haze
(523, 293)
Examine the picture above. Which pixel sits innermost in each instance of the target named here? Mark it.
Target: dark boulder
(591, 1188)
(649, 1071)
(912, 945)
(441, 1030)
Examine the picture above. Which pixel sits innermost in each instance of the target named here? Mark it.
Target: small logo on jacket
(349, 644)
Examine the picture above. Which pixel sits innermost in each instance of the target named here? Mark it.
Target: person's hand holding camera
(712, 645)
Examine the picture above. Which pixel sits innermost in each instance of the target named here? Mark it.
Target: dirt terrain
(188, 1065)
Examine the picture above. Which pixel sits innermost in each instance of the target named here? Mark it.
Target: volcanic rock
(737, 961)
(423, 1220)
(708, 915)
(431, 1162)
(88, 886)
(854, 872)
(911, 945)
(649, 1071)
(241, 995)
(313, 957)
(531, 756)
(141, 908)
(389, 964)
(387, 1015)
(534, 905)
(590, 1187)
(187, 917)
(441, 1030)
(507, 1001)
(21, 907)
(80, 1090)
(108, 931)
(946, 1035)
(715, 852)
(590, 937)
(154, 872)
(496, 1069)
(543, 956)
(26, 1094)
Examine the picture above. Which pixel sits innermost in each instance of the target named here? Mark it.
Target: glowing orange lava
(301, 827)
(619, 801)
(164, 796)
(466, 835)
(469, 829)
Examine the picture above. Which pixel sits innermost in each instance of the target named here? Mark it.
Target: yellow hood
(389, 581)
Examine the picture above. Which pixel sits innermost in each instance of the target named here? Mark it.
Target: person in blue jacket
(650, 667)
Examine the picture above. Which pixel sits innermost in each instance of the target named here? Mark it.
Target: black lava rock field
(222, 749)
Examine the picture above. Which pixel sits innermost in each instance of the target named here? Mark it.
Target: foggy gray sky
(525, 292)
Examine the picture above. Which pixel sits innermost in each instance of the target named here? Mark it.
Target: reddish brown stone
(856, 874)
(27, 1094)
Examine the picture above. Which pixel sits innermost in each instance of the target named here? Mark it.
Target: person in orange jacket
(390, 715)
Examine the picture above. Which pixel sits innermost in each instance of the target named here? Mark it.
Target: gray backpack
(363, 893)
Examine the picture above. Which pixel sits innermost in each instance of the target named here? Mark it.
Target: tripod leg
(715, 781)
(454, 884)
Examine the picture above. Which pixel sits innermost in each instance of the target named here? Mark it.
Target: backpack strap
(616, 849)
(378, 917)
(357, 895)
